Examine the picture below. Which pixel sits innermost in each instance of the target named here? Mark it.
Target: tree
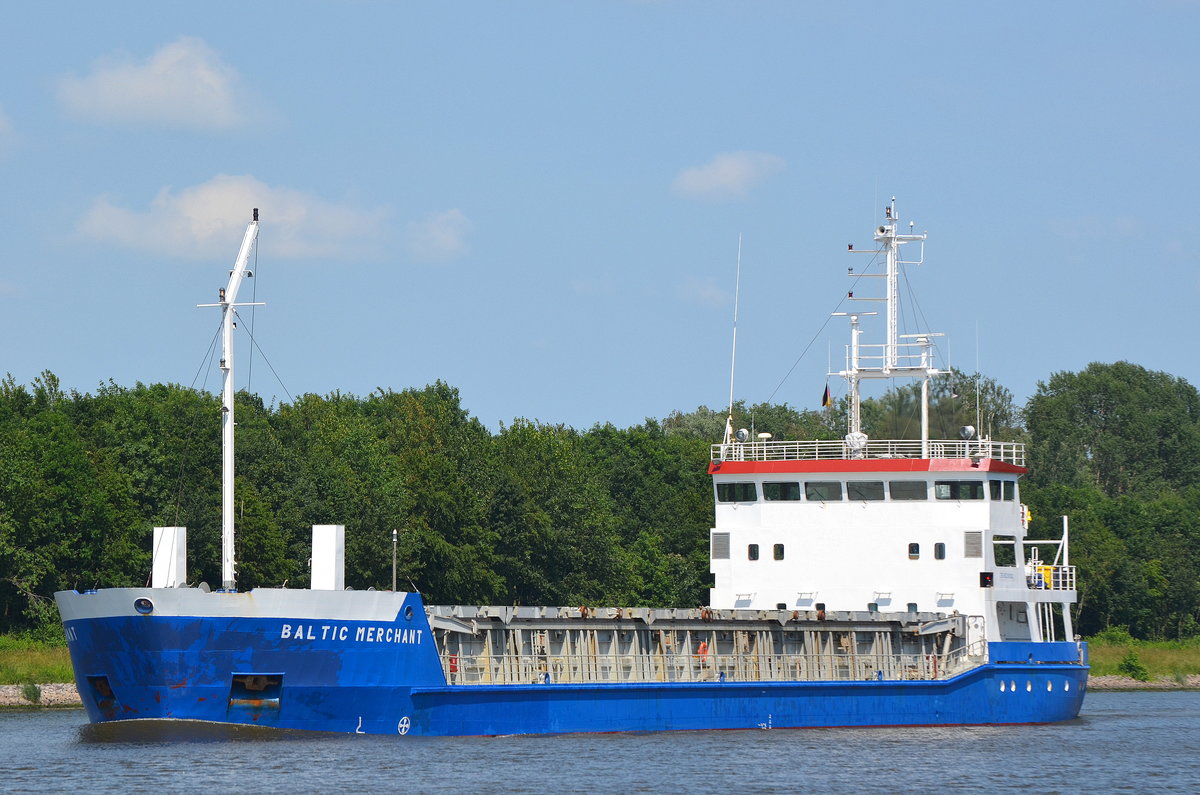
(1120, 427)
(956, 399)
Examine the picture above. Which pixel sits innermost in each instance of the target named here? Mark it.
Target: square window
(823, 491)
(773, 492)
(958, 489)
(914, 551)
(909, 489)
(939, 551)
(752, 552)
(737, 492)
(864, 490)
(779, 552)
(1010, 490)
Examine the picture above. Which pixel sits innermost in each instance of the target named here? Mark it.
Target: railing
(497, 669)
(1051, 578)
(840, 449)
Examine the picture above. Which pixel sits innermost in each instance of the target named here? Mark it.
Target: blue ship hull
(337, 674)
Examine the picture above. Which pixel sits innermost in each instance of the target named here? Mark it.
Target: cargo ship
(856, 582)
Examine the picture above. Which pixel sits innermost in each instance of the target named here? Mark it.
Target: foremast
(227, 300)
(912, 358)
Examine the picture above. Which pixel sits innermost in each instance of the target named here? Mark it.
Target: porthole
(1028, 686)
(1002, 686)
(1049, 687)
(1012, 685)
(1067, 685)
(143, 606)
(408, 613)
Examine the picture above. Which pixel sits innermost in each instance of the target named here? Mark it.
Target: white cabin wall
(845, 553)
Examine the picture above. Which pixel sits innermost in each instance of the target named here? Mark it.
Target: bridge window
(1003, 490)
(779, 552)
(823, 490)
(939, 551)
(914, 551)
(736, 492)
(752, 552)
(781, 491)
(864, 490)
(958, 489)
(909, 489)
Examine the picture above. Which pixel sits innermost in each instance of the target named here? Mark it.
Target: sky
(540, 203)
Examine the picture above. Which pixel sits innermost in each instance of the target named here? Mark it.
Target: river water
(1135, 741)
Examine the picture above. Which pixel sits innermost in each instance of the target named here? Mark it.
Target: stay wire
(271, 367)
(858, 277)
(205, 366)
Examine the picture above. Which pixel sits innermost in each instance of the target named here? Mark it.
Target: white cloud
(439, 236)
(703, 292)
(729, 175)
(207, 220)
(183, 84)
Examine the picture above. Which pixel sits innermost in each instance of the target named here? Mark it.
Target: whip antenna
(737, 289)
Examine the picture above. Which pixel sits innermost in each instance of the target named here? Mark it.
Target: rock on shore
(1125, 683)
(52, 695)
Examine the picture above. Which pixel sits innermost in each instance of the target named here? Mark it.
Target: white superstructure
(886, 526)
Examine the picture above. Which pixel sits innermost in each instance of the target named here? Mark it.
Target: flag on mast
(825, 401)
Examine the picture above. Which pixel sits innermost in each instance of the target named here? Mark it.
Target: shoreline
(65, 695)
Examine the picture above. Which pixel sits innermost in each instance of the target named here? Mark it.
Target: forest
(546, 514)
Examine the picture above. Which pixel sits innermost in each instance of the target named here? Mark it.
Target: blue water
(1122, 741)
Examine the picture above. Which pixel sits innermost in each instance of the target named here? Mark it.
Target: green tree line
(546, 514)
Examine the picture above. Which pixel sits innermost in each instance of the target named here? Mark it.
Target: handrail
(1050, 578)
(841, 449)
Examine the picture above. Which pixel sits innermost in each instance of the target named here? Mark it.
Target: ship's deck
(524, 645)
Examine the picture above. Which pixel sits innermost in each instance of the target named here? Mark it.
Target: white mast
(892, 359)
(227, 300)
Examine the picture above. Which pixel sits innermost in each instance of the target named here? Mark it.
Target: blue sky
(540, 203)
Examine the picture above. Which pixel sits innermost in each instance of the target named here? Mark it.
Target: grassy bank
(25, 659)
(1114, 653)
